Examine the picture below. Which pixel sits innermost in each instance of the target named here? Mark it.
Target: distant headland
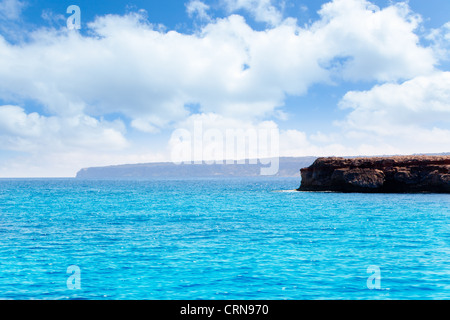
(288, 167)
(397, 174)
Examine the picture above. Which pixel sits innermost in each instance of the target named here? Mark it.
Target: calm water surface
(218, 239)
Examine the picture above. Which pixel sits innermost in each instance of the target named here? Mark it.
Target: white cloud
(128, 66)
(66, 163)
(294, 143)
(59, 146)
(423, 100)
(413, 115)
(262, 10)
(371, 43)
(11, 9)
(198, 8)
(291, 143)
(11, 19)
(53, 18)
(32, 132)
(440, 39)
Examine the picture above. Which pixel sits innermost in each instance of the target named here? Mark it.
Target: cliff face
(403, 174)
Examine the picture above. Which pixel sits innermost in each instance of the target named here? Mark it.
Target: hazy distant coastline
(288, 167)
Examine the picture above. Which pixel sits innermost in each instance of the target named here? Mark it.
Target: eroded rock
(401, 174)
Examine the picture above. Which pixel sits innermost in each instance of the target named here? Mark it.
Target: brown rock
(400, 174)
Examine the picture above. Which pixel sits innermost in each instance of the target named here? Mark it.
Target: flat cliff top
(382, 162)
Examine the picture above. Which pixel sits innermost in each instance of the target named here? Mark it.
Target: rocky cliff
(402, 174)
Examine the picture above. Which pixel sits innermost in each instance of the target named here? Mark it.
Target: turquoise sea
(218, 239)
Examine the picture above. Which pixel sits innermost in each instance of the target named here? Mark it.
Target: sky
(333, 78)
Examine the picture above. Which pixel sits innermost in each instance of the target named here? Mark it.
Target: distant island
(398, 174)
(288, 167)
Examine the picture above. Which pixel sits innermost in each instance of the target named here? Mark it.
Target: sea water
(220, 238)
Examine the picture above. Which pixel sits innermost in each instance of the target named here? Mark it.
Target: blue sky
(337, 77)
(172, 13)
